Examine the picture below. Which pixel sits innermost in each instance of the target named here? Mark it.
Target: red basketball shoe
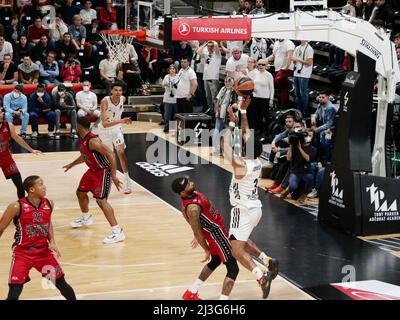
(190, 295)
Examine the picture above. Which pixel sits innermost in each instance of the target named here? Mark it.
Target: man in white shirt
(237, 64)
(212, 58)
(258, 48)
(5, 47)
(186, 87)
(108, 72)
(86, 102)
(230, 45)
(282, 55)
(303, 58)
(87, 13)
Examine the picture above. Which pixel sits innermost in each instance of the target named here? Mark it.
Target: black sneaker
(265, 284)
(273, 267)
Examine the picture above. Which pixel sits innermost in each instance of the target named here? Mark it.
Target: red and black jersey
(93, 159)
(33, 225)
(212, 224)
(5, 136)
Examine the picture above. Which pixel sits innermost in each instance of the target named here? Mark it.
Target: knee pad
(214, 263)
(232, 268)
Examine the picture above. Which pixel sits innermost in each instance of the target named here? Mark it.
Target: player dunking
(97, 179)
(246, 211)
(110, 129)
(209, 231)
(7, 164)
(35, 245)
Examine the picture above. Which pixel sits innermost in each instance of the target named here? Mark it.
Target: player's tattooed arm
(96, 144)
(237, 162)
(193, 212)
(11, 212)
(108, 124)
(77, 161)
(21, 141)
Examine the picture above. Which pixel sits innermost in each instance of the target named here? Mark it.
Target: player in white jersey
(110, 128)
(246, 211)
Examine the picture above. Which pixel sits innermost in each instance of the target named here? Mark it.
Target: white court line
(112, 266)
(382, 244)
(137, 290)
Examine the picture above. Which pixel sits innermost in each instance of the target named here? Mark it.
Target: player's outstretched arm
(193, 212)
(77, 161)
(97, 145)
(104, 122)
(239, 166)
(243, 105)
(11, 212)
(21, 141)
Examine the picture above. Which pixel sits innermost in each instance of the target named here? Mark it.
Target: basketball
(243, 86)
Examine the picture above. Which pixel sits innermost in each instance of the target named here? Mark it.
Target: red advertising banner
(211, 29)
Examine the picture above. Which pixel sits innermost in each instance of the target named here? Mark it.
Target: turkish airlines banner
(211, 29)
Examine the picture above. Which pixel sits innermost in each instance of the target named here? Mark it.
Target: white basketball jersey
(114, 111)
(244, 192)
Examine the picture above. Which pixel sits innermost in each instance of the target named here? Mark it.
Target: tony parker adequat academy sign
(384, 209)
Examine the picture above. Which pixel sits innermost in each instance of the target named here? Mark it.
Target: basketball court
(154, 262)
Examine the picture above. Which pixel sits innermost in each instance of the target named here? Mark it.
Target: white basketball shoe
(81, 222)
(114, 237)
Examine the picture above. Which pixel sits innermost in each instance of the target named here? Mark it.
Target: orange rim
(125, 33)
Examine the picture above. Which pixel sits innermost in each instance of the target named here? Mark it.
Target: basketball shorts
(112, 137)
(243, 221)
(40, 259)
(218, 242)
(97, 182)
(8, 166)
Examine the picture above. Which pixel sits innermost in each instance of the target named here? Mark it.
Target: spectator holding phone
(16, 106)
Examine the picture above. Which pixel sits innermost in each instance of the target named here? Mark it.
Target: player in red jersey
(210, 232)
(97, 179)
(35, 245)
(7, 163)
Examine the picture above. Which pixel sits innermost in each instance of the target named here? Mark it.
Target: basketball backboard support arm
(352, 35)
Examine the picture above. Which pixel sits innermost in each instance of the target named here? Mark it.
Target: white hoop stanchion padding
(117, 43)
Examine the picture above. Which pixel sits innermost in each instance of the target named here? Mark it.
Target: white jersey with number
(112, 136)
(114, 111)
(244, 192)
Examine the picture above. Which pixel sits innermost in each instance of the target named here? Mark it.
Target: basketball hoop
(117, 43)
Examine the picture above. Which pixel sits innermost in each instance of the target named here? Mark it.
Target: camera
(296, 136)
(171, 94)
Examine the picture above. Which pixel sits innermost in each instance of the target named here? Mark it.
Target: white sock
(223, 297)
(85, 215)
(126, 174)
(257, 273)
(264, 258)
(196, 286)
(116, 229)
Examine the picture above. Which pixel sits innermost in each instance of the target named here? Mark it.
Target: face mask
(40, 94)
(308, 139)
(86, 88)
(16, 95)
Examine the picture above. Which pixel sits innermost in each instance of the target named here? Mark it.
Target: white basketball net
(117, 45)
